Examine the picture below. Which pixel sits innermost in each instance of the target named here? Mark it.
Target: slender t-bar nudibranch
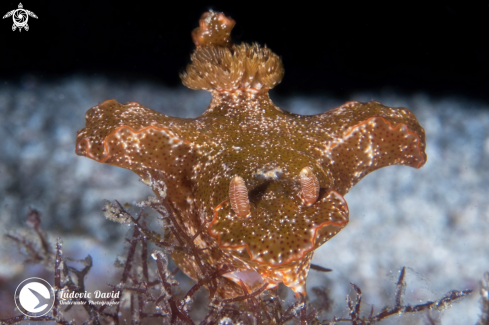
(267, 185)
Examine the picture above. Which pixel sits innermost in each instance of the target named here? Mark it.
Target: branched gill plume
(241, 66)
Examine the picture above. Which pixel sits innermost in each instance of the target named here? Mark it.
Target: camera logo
(34, 297)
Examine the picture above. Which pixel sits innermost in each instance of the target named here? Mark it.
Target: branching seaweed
(148, 290)
(31, 251)
(398, 309)
(484, 318)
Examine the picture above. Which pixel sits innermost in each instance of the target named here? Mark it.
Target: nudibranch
(266, 185)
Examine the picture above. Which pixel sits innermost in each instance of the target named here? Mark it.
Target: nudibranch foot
(249, 185)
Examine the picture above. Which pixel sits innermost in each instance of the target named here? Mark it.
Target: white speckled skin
(243, 134)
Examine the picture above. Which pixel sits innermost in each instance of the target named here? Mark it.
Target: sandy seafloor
(434, 220)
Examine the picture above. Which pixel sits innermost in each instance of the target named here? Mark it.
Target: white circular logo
(20, 17)
(34, 297)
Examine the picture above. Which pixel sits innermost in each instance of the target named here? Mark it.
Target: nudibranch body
(266, 184)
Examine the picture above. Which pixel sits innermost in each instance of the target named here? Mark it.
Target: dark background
(439, 48)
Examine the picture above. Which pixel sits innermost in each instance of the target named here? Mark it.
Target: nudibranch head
(256, 187)
(280, 227)
(219, 65)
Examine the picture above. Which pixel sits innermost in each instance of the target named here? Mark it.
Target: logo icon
(34, 297)
(20, 17)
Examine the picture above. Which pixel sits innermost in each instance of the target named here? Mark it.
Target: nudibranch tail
(219, 65)
(214, 29)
